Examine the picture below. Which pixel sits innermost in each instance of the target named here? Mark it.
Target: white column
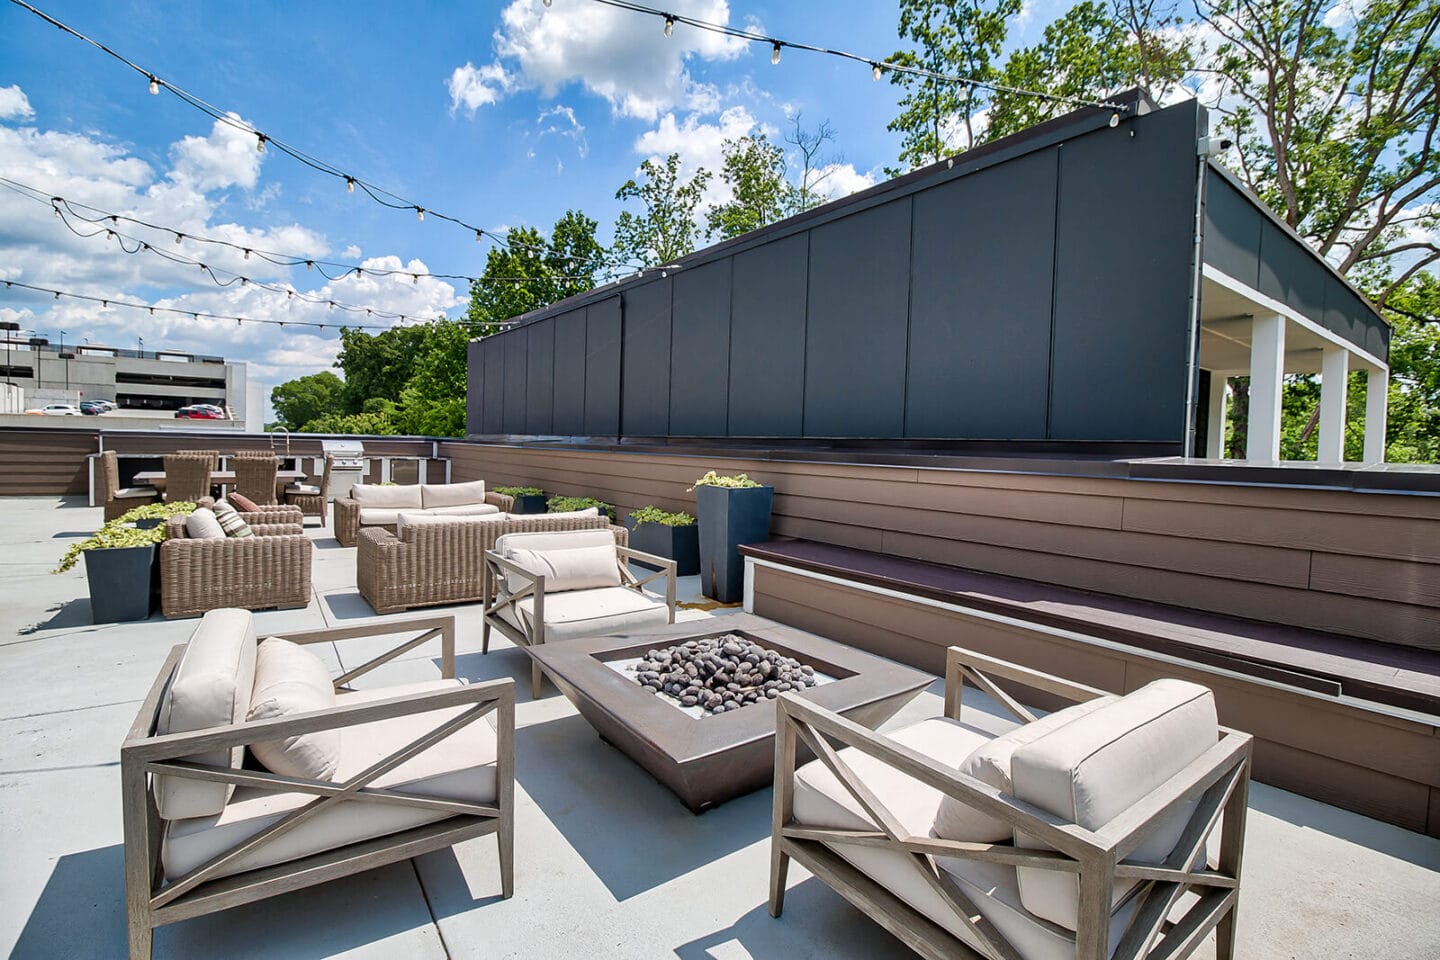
(1334, 383)
(1215, 425)
(1267, 377)
(1376, 404)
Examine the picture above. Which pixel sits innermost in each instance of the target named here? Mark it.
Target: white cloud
(560, 121)
(699, 144)
(836, 180)
(227, 157)
(616, 54)
(14, 105)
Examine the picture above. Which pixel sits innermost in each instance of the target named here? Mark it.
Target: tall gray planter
(680, 544)
(120, 582)
(729, 516)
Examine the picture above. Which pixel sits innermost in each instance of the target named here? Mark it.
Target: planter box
(681, 544)
(530, 503)
(148, 523)
(729, 516)
(121, 581)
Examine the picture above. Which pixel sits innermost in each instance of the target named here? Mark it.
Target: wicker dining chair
(313, 501)
(255, 477)
(117, 499)
(187, 475)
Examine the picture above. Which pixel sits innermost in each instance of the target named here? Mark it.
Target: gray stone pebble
(721, 673)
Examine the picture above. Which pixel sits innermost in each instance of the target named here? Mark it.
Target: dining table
(156, 478)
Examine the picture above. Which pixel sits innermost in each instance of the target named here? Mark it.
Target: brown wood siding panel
(1403, 582)
(40, 463)
(1396, 538)
(1350, 787)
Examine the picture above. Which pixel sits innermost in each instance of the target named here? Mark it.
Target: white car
(57, 410)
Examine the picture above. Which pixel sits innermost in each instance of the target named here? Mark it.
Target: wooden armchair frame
(498, 598)
(151, 902)
(1219, 779)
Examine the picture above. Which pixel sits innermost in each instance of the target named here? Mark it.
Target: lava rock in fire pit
(721, 673)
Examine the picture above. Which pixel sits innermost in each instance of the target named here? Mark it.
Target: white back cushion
(587, 512)
(1096, 767)
(288, 680)
(581, 568)
(210, 688)
(397, 497)
(451, 494)
(990, 764)
(204, 525)
(552, 540)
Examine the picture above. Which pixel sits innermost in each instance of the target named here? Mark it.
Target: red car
(200, 411)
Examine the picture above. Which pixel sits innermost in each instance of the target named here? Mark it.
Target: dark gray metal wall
(1244, 242)
(1038, 295)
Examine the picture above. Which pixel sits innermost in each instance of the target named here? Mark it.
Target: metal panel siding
(493, 409)
(1124, 235)
(1344, 313)
(645, 369)
(474, 387)
(516, 346)
(856, 324)
(569, 409)
(767, 339)
(1289, 273)
(700, 351)
(1232, 230)
(540, 377)
(980, 304)
(602, 368)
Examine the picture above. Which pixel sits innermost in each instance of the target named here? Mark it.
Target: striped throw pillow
(231, 521)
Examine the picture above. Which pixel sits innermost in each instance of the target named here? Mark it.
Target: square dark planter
(681, 544)
(120, 582)
(529, 503)
(729, 516)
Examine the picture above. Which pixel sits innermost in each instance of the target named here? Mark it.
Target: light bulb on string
(309, 264)
(420, 214)
(178, 238)
(247, 253)
(260, 139)
(1114, 119)
(775, 51)
(479, 237)
(547, 2)
(875, 70)
(154, 85)
(350, 184)
(669, 27)
(415, 278)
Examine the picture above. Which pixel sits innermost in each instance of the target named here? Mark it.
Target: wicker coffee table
(706, 760)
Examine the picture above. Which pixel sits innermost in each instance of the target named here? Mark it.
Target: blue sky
(501, 113)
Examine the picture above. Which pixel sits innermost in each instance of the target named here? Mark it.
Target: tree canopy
(667, 227)
(303, 399)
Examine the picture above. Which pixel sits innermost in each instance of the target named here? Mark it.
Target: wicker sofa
(379, 505)
(435, 561)
(270, 569)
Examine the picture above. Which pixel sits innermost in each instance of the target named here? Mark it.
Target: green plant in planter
(653, 514)
(712, 479)
(118, 532)
(568, 504)
(520, 491)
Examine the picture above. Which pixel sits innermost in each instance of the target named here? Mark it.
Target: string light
(875, 71)
(260, 139)
(775, 52)
(420, 214)
(349, 184)
(154, 86)
(669, 27)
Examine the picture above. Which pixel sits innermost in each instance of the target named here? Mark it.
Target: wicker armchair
(313, 501)
(187, 475)
(270, 569)
(119, 500)
(347, 516)
(255, 478)
(443, 562)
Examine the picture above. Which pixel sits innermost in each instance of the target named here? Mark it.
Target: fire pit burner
(722, 673)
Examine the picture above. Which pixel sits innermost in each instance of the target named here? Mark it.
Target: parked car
(92, 408)
(56, 410)
(200, 411)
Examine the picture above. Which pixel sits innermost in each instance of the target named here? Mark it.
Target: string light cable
(264, 140)
(878, 67)
(72, 210)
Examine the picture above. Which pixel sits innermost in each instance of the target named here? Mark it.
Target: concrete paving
(608, 863)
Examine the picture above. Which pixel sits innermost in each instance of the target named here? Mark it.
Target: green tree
(814, 169)
(532, 271)
(666, 229)
(377, 366)
(754, 170)
(303, 399)
(432, 403)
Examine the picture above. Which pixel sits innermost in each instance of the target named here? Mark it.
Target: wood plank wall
(1360, 564)
(35, 462)
(1384, 766)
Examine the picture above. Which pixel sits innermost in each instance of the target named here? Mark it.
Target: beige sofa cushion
(460, 767)
(465, 510)
(210, 688)
(434, 495)
(202, 524)
(822, 801)
(407, 521)
(587, 512)
(1097, 766)
(395, 497)
(545, 541)
(589, 613)
(990, 764)
(288, 680)
(584, 568)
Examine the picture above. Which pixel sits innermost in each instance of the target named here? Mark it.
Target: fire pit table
(708, 758)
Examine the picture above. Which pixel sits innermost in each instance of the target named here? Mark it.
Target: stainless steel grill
(349, 465)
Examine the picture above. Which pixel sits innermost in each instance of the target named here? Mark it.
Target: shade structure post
(1334, 380)
(1267, 378)
(1376, 401)
(1215, 424)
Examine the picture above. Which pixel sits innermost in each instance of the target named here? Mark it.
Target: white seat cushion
(288, 680)
(990, 764)
(393, 497)
(461, 767)
(303, 489)
(409, 519)
(1096, 767)
(434, 495)
(379, 516)
(130, 493)
(822, 801)
(588, 613)
(464, 510)
(210, 688)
